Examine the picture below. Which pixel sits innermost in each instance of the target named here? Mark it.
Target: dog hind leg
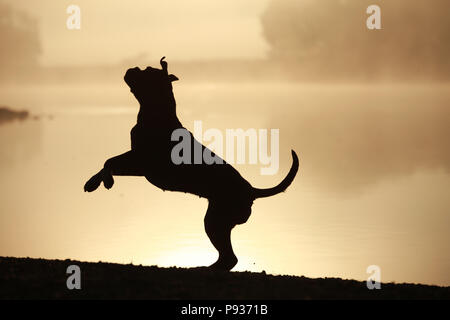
(218, 229)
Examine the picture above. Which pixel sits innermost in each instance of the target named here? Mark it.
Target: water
(373, 186)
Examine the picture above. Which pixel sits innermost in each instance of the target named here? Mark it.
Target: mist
(21, 44)
(328, 39)
(285, 40)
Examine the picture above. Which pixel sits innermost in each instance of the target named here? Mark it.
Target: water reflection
(373, 186)
(20, 141)
(357, 138)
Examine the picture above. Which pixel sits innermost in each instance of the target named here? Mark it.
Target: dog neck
(158, 115)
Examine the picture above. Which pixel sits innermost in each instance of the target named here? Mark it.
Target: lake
(373, 186)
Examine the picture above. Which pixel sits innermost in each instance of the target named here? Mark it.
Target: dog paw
(108, 180)
(93, 183)
(224, 264)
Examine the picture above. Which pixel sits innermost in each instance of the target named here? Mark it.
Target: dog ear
(173, 78)
(163, 64)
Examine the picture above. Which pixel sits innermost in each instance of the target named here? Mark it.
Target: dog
(230, 196)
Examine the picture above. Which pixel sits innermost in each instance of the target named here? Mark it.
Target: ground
(25, 278)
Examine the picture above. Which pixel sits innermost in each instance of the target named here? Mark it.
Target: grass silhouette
(25, 278)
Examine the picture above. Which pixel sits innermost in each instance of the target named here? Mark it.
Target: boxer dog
(229, 195)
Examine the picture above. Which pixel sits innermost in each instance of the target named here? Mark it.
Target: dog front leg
(94, 182)
(126, 164)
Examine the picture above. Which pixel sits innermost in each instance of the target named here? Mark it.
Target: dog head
(150, 84)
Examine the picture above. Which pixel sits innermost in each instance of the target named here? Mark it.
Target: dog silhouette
(229, 195)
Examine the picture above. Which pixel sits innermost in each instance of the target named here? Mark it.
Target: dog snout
(131, 72)
(135, 69)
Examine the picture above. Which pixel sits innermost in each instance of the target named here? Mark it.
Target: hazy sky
(176, 28)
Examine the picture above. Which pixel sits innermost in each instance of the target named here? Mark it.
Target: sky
(210, 29)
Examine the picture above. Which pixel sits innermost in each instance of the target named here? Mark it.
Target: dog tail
(282, 186)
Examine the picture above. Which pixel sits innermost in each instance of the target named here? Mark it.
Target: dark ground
(25, 278)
